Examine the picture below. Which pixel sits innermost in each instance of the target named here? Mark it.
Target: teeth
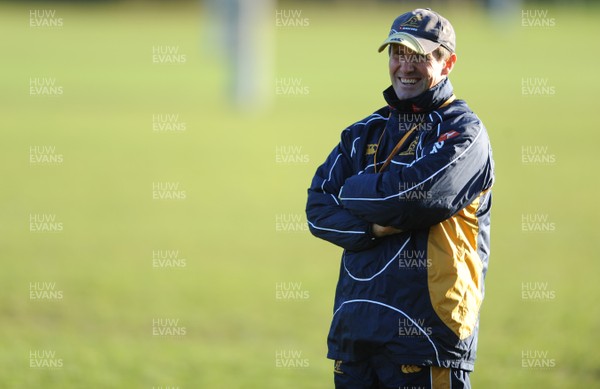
(408, 80)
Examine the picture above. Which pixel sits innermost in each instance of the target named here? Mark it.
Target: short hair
(441, 54)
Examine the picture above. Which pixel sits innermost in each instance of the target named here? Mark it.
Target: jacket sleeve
(453, 169)
(326, 217)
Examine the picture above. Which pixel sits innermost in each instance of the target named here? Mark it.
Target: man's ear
(449, 65)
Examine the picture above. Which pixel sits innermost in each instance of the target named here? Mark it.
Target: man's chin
(405, 95)
(405, 92)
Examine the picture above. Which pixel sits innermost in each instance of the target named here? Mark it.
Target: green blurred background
(108, 130)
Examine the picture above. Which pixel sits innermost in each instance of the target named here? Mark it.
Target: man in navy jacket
(407, 195)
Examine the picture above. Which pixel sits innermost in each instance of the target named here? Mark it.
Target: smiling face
(412, 74)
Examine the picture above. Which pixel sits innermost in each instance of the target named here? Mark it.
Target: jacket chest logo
(371, 149)
(411, 148)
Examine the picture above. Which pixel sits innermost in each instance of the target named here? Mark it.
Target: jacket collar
(427, 101)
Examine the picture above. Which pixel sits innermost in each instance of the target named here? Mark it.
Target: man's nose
(406, 65)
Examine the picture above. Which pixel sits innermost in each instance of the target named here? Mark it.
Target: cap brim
(416, 44)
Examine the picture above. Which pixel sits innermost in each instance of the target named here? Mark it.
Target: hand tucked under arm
(379, 231)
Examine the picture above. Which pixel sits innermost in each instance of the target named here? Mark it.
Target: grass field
(225, 237)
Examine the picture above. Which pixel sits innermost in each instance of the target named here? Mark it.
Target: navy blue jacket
(415, 295)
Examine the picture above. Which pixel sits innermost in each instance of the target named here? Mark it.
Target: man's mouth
(408, 81)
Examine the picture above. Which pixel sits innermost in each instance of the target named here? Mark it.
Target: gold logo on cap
(414, 21)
